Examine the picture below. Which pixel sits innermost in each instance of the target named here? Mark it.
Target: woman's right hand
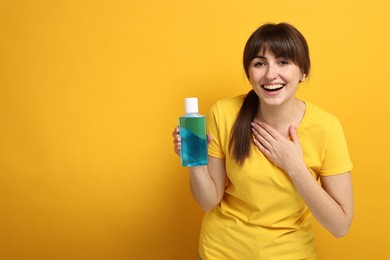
(176, 140)
(207, 182)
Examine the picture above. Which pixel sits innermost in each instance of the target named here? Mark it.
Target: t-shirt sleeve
(336, 157)
(213, 127)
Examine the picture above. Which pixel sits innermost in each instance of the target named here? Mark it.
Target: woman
(267, 151)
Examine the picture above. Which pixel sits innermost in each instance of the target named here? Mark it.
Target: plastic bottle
(193, 135)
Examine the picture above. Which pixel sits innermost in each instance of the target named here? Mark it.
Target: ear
(303, 77)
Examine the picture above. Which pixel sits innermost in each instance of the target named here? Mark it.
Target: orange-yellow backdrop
(91, 90)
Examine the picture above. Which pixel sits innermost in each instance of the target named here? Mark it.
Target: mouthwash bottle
(193, 135)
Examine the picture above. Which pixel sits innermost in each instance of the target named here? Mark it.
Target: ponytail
(241, 135)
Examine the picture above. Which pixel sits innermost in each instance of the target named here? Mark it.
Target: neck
(282, 116)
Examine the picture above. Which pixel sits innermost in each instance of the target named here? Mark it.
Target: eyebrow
(260, 57)
(264, 58)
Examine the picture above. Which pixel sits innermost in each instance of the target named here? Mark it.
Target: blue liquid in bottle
(193, 135)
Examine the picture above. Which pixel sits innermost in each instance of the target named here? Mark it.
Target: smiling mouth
(272, 88)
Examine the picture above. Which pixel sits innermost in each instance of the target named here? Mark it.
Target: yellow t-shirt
(261, 215)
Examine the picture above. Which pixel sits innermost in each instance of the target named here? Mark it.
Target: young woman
(268, 151)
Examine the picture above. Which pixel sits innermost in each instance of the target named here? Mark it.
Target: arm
(332, 203)
(207, 182)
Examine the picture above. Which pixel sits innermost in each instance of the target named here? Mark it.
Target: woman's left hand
(283, 152)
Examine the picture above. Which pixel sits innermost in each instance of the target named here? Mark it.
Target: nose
(271, 72)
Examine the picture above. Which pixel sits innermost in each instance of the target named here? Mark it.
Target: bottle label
(194, 141)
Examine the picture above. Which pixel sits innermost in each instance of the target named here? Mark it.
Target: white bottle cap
(191, 105)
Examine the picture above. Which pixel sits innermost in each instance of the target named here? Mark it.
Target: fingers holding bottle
(209, 139)
(176, 140)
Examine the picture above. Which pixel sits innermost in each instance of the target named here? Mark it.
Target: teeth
(275, 86)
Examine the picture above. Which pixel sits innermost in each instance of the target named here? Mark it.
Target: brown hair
(284, 40)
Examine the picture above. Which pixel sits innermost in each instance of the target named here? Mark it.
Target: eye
(284, 62)
(258, 63)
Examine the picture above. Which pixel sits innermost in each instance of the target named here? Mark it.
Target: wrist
(297, 170)
(198, 169)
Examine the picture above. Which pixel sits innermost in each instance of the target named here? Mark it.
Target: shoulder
(229, 106)
(320, 124)
(224, 112)
(231, 102)
(324, 143)
(318, 115)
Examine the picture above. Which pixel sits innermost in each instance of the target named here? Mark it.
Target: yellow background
(91, 90)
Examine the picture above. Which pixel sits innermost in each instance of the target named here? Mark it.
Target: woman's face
(274, 79)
